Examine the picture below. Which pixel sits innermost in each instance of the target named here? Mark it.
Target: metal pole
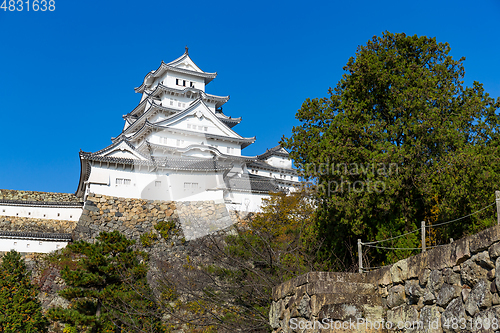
(423, 236)
(497, 197)
(360, 256)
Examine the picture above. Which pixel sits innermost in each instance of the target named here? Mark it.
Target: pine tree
(20, 310)
(103, 279)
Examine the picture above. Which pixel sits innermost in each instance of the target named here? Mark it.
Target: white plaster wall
(49, 213)
(164, 185)
(170, 77)
(245, 201)
(30, 245)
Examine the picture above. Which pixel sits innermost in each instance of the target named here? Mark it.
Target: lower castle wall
(445, 289)
(38, 196)
(25, 224)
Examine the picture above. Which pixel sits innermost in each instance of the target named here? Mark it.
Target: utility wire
(402, 248)
(460, 218)
(429, 226)
(385, 240)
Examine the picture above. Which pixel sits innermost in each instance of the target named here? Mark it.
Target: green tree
(20, 309)
(225, 284)
(399, 140)
(103, 279)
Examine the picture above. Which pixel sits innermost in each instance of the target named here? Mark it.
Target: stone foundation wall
(131, 217)
(200, 218)
(38, 196)
(26, 224)
(445, 289)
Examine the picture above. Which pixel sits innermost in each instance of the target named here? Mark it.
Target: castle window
(200, 127)
(184, 83)
(157, 183)
(171, 102)
(177, 81)
(27, 245)
(205, 128)
(40, 243)
(180, 142)
(179, 104)
(123, 181)
(191, 84)
(270, 174)
(189, 125)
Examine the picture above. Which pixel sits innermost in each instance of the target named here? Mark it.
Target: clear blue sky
(67, 76)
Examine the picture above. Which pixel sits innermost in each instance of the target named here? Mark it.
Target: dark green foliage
(20, 310)
(103, 282)
(399, 140)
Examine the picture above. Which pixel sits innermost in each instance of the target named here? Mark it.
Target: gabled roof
(195, 107)
(275, 151)
(184, 64)
(121, 145)
(229, 121)
(194, 92)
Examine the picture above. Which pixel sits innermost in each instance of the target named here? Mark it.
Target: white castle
(178, 145)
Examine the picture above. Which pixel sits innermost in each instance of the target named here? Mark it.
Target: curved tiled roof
(253, 183)
(264, 165)
(165, 163)
(275, 151)
(36, 236)
(147, 125)
(165, 67)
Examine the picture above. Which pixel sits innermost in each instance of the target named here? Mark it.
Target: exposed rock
(471, 273)
(396, 296)
(446, 294)
(454, 311)
(413, 290)
(435, 281)
(399, 271)
(431, 319)
(479, 297)
(483, 260)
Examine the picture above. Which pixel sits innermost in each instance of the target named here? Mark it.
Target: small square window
(205, 128)
(171, 102)
(40, 243)
(184, 83)
(15, 243)
(191, 84)
(189, 125)
(157, 183)
(27, 245)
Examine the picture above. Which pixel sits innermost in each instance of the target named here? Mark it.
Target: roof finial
(186, 52)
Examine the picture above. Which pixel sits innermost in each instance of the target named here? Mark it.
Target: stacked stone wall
(26, 224)
(131, 217)
(38, 196)
(452, 288)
